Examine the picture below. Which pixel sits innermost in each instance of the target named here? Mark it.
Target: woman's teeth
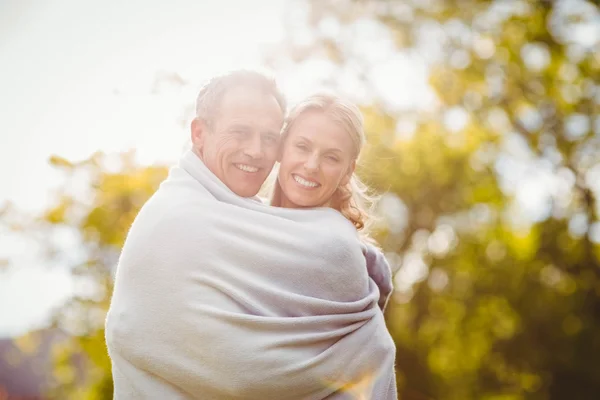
(304, 182)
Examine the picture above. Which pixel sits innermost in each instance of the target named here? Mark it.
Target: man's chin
(247, 185)
(245, 191)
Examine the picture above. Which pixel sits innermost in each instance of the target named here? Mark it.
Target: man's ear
(348, 175)
(199, 130)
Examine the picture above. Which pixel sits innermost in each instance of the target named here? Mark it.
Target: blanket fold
(222, 297)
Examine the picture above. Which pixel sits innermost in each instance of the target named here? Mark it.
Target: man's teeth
(304, 182)
(246, 168)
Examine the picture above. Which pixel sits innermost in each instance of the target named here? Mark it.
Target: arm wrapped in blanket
(381, 273)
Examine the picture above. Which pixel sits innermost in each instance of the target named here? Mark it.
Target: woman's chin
(308, 203)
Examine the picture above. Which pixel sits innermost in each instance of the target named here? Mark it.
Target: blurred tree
(491, 211)
(84, 230)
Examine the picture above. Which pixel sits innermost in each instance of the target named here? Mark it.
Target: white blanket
(222, 297)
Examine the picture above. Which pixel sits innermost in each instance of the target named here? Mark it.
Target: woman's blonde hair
(353, 199)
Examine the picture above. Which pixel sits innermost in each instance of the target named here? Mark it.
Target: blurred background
(483, 120)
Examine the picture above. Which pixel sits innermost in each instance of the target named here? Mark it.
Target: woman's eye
(301, 146)
(333, 158)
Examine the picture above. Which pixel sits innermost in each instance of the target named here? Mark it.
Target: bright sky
(77, 76)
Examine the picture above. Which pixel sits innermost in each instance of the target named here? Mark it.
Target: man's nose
(254, 147)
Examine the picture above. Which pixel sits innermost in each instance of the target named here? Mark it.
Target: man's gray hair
(211, 94)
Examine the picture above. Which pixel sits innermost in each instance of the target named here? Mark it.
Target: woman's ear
(348, 175)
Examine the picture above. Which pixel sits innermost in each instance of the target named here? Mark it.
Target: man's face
(240, 145)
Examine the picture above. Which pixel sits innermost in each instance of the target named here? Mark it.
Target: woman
(321, 142)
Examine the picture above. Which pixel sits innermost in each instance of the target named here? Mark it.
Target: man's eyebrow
(271, 133)
(248, 128)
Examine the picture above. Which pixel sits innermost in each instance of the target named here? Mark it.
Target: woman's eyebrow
(331, 149)
(304, 138)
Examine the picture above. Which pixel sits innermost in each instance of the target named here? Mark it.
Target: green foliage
(491, 302)
(95, 207)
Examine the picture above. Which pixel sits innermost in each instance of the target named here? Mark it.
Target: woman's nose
(312, 163)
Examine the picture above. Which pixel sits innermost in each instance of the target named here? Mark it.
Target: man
(218, 296)
(235, 133)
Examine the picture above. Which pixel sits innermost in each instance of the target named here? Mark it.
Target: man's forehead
(244, 95)
(250, 106)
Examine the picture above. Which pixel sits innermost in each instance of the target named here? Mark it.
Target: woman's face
(316, 158)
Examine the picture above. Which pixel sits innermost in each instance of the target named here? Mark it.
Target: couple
(219, 296)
